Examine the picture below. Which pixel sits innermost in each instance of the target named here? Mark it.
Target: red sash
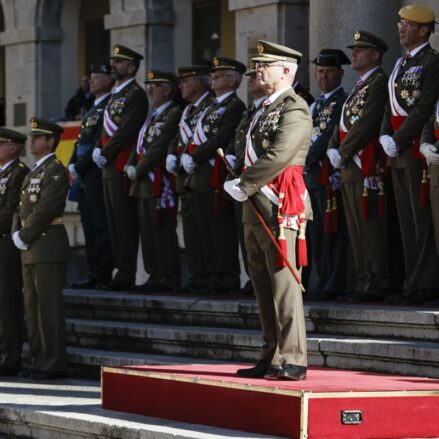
(396, 122)
(122, 157)
(436, 134)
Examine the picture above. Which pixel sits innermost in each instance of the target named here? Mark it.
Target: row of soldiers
(131, 166)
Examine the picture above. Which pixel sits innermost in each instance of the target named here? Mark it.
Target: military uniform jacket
(361, 116)
(177, 146)
(219, 124)
(416, 89)
(160, 133)
(281, 138)
(89, 135)
(325, 116)
(128, 110)
(430, 134)
(42, 199)
(10, 184)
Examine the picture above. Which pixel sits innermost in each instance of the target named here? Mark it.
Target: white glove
(98, 158)
(72, 171)
(131, 172)
(18, 242)
(430, 153)
(334, 157)
(231, 159)
(389, 145)
(233, 189)
(188, 163)
(171, 164)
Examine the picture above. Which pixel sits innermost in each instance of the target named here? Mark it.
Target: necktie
(406, 58)
(265, 104)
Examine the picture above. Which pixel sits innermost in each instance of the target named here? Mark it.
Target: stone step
(71, 409)
(237, 346)
(407, 323)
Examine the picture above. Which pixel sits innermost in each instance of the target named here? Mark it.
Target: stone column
(280, 21)
(332, 24)
(145, 26)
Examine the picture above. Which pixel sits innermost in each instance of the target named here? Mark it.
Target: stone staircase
(105, 328)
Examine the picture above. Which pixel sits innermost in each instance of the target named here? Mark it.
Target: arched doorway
(2, 74)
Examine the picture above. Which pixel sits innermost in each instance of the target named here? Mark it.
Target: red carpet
(383, 406)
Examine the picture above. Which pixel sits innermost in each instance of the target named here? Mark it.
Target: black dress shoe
(417, 298)
(25, 373)
(273, 372)
(86, 284)
(292, 372)
(117, 285)
(258, 371)
(47, 374)
(361, 297)
(9, 370)
(393, 299)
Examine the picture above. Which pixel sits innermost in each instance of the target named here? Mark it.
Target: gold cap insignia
(150, 75)
(357, 36)
(215, 62)
(260, 48)
(33, 124)
(252, 65)
(116, 50)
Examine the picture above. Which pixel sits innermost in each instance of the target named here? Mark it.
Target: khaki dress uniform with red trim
(40, 225)
(154, 189)
(280, 138)
(11, 298)
(414, 89)
(213, 212)
(356, 137)
(127, 110)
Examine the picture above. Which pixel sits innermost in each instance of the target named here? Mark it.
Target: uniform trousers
(11, 311)
(279, 298)
(420, 257)
(434, 199)
(44, 308)
(159, 242)
(368, 240)
(123, 228)
(219, 243)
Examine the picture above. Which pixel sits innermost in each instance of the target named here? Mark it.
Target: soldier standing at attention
(413, 89)
(124, 115)
(206, 173)
(89, 179)
(42, 238)
(12, 173)
(354, 148)
(194, 88)
(278, 139)
(327, 230)
(154, 187)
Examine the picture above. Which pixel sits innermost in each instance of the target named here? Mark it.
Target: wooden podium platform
(329, 404)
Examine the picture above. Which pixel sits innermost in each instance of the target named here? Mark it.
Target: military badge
(33, 198)
(357, 36)
(150, 75)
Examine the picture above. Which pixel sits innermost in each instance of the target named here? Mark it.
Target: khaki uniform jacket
(177, 146)
(161, 132)
(128, 109)
(281, 138)
(428, 137)
(10, 184)
(42, 199)
(219, 124)
(416, 89)
(362, 117)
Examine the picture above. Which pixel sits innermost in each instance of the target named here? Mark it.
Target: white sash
(397, 110)
(185, 130)
(139, 148)
(109, 125)
(199, 135)
(167, 195)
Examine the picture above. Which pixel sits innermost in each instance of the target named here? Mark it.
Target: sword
(220, 152)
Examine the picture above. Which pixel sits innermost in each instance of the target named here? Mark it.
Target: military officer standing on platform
(12, 173)
(40, 234)
(354, 148)
(154, 187)
(328, 241)
(413, 89)
(194, 88)
(430, 150)
(206, 173)
(124, 115)
(88, 177)
(237, 148)
(278, 139)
